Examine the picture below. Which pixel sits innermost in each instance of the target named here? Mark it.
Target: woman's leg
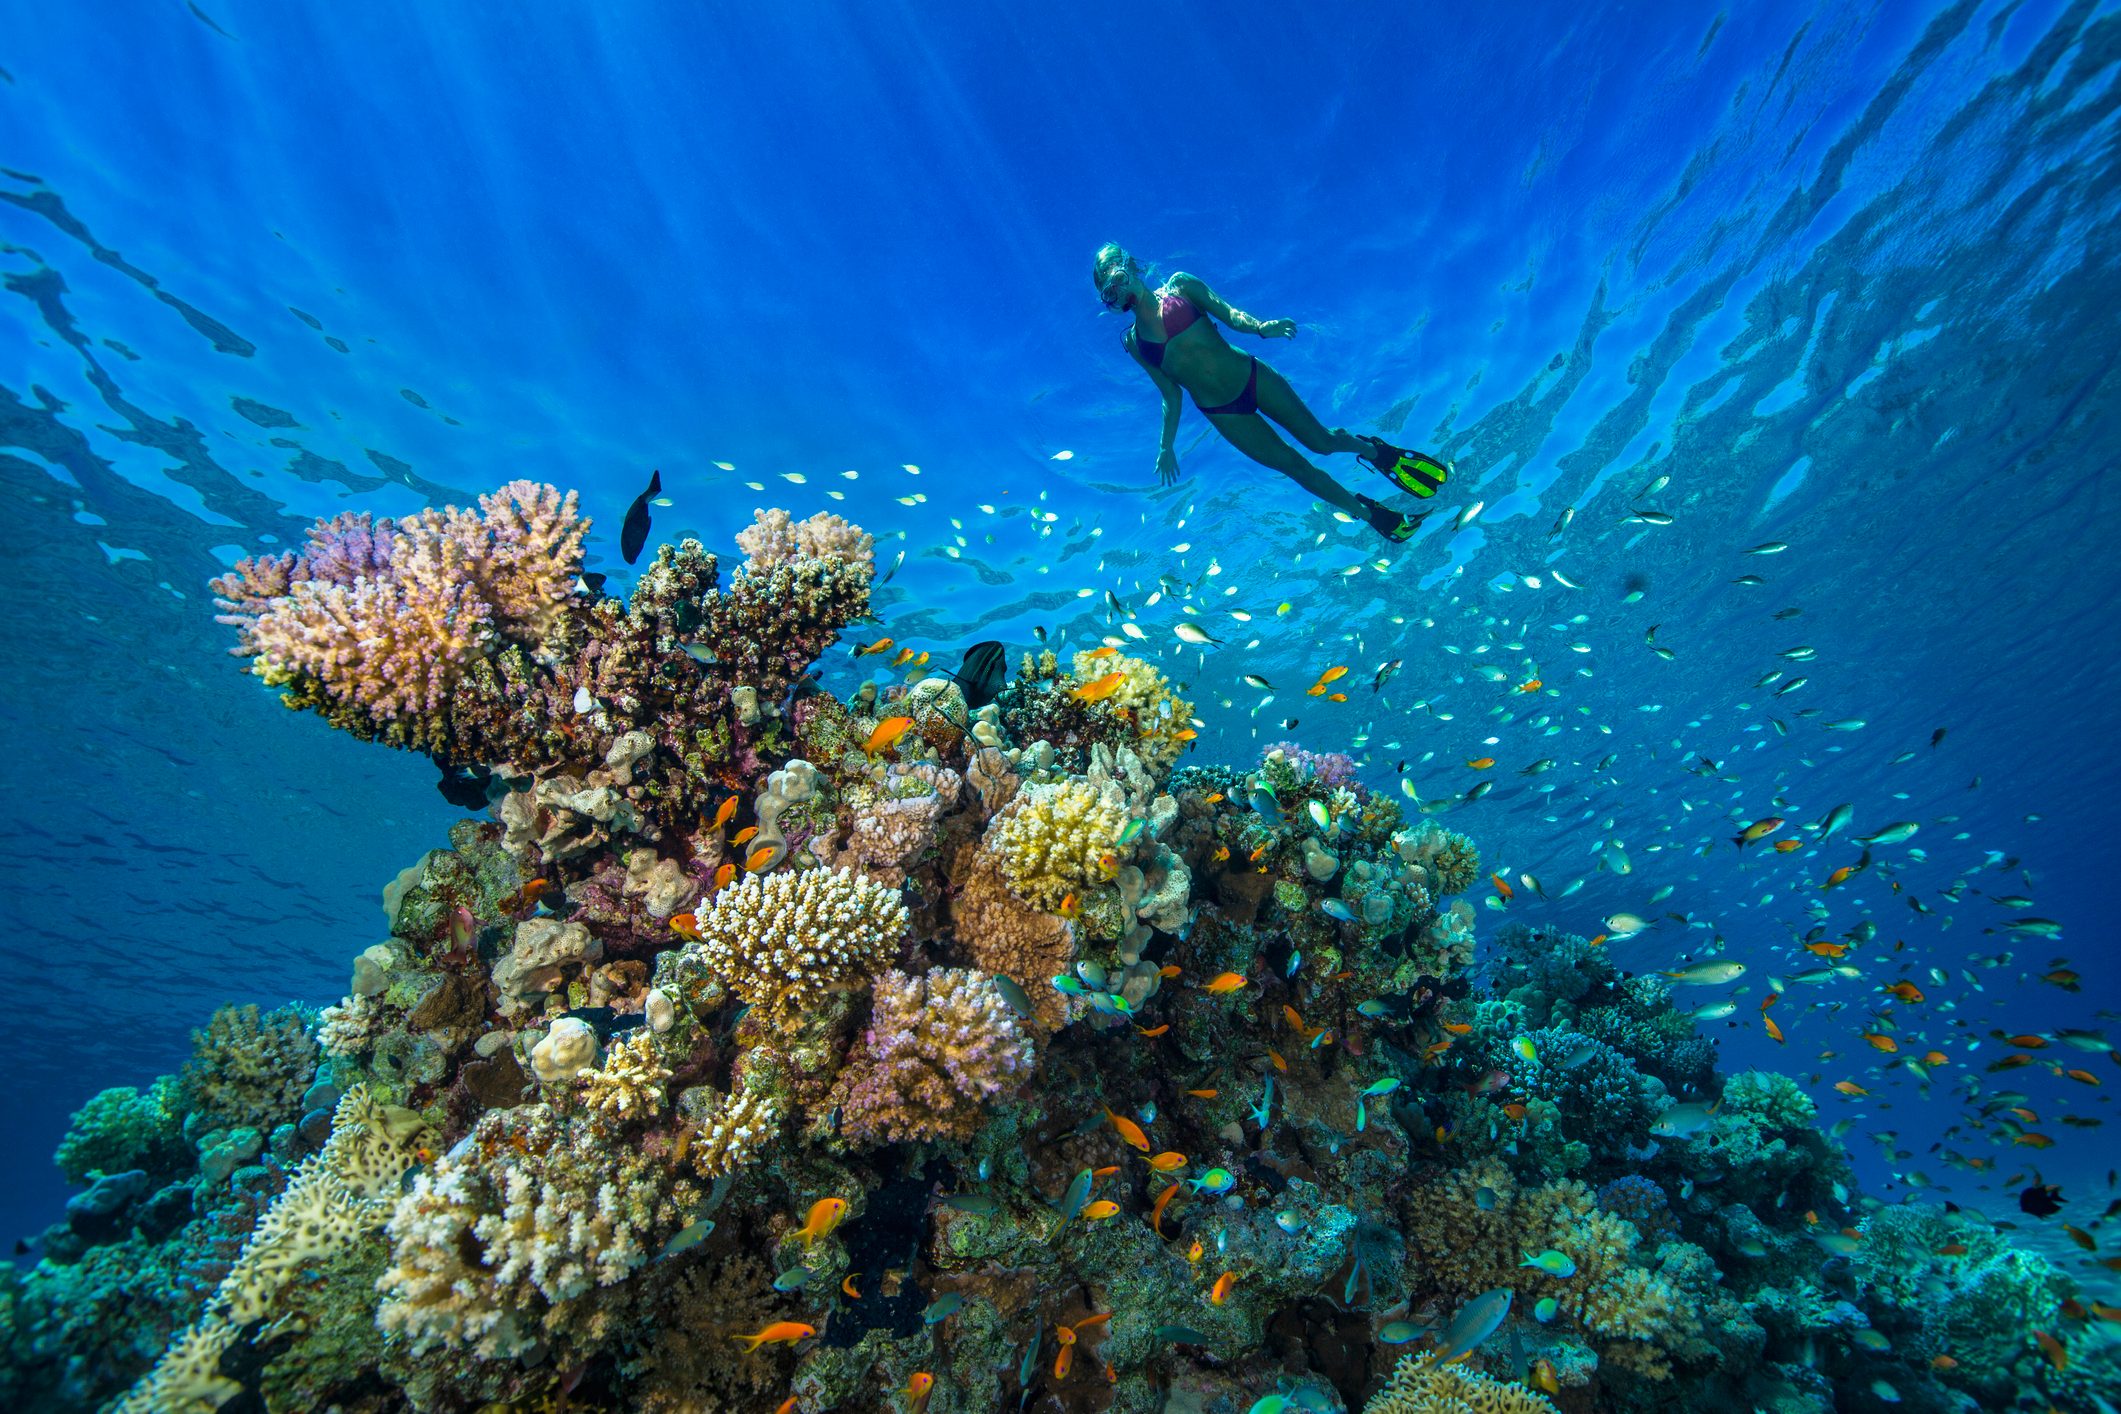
(1279, 401)
(1250, 434)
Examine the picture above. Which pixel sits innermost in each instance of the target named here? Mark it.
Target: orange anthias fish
(1107, 651)
(1530, 685)
(1785, 846)
(1850, 1087)
(1774, 1031)
(1458, 1028)
(2052, 1349)
(1222, 852)
(1279, 1064)
(1880, 1041)
(1220, 1292)
(1838, 877)
(1759, 830)
(789, 1405)
(1226, 982)
(1203, 1094)
(1098, 689)
(2028, 1042)
(727, 813)
(1156, 1210)
(905, 656)
(1906, 991)
(1196, 1252)
(724, 875)
(744, 836)
(1481, 763)
(887, 731)
(1152, 1032)
(1294, 1017)
(779, 1333)
(686, 926)
(761, 858)
(847, 1285)
(881, 645)
(919, 1385)
(825, 1215)
(1502, 887)
(1833, 951)
(1128, 1130)
(534, 890)
(1100, 1210)
(1169, 970)
(1168, 1160)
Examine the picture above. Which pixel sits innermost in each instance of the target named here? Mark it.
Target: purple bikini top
(1178, 315)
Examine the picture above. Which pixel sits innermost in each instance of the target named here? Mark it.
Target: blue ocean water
(1845, 275)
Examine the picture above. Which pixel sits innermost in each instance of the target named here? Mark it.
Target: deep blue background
(1846, 274)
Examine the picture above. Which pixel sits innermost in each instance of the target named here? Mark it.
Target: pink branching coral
(938, 1050)
(774, 539)
(386, 616)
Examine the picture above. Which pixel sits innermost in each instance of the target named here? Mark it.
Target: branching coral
(630, 1083)
(784, 942)
(503, 1243)
(1421, 1386)
(120, 1129)
(1448, 858)
(248, 1070)
(1471, 1231)
(939, 1049)
(1159, 722)
(391, 633)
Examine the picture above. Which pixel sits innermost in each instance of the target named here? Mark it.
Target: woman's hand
(1277, 328)
(1167, 467)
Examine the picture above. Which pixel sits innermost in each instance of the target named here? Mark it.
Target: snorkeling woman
(1178, 348)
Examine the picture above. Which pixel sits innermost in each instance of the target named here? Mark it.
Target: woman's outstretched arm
(1167, 440)
(1196, 290)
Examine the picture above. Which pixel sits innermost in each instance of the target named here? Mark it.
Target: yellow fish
(825, 1215)
(1103, 1208)
(887, 731)
(1098, 689)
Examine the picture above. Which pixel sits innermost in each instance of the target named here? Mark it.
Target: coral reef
(986, 1045)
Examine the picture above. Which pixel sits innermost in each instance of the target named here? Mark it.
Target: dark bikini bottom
(1247, 401)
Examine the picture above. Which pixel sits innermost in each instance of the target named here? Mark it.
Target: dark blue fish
(634, 533)
(980, 676)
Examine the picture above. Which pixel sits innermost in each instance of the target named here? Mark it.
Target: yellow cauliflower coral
(1053, 840)
(1163, 721)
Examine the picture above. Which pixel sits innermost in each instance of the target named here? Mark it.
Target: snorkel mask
(1112, 290)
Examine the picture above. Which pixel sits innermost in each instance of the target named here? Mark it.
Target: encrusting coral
(733, 1009)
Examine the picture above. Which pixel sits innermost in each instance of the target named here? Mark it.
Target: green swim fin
(1417, 473)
